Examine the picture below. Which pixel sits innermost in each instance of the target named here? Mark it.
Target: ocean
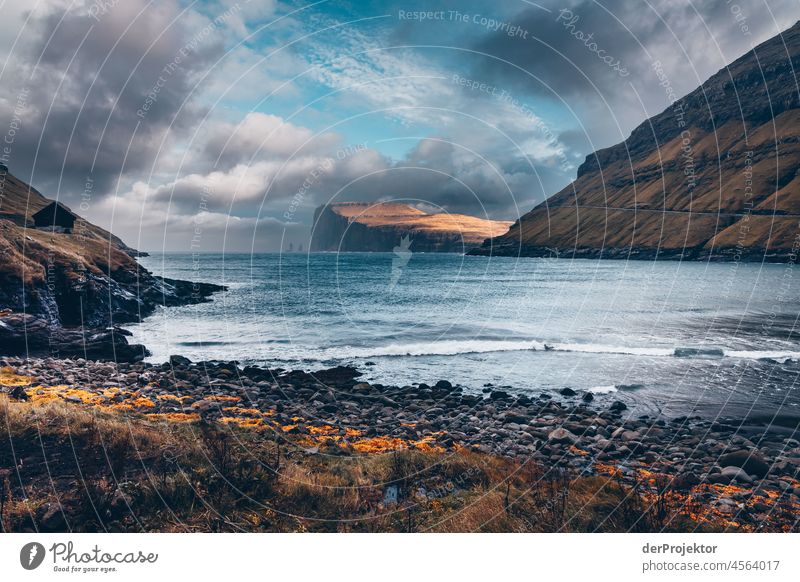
(668, 338)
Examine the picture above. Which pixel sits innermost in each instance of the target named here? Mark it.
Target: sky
(220, 125)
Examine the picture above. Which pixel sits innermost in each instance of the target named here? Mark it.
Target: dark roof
(54, 207)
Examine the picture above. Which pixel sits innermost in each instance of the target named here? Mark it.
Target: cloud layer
(244, 116)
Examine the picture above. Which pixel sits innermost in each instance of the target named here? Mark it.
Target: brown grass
(67, 467)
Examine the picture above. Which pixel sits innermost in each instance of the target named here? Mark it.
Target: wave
(458, 347)
(603, 389)
(611, 388)
(442, 348)
(204, 344)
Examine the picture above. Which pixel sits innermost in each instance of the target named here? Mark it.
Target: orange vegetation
(244, 411)
(8, 377)
(173, 398)
(44, 394)
(221, 398)
(174, 416)
(379, 444)
(699, 502)
(324, 430)
(244, 422)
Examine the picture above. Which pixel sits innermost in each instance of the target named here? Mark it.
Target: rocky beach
(725, 473)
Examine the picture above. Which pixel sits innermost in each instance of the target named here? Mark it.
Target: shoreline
(743, 474)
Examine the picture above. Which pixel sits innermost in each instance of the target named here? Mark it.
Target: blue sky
(239, 118)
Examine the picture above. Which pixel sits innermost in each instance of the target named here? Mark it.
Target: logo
(31, 555)
(402, 255)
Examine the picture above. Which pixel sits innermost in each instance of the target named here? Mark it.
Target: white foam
(757, 355)
(458, 347)
(603, 389)
(603, 349)
(442, 348)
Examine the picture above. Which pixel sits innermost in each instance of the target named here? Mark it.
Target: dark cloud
(554, 61)
(104, 92)
(597, 55)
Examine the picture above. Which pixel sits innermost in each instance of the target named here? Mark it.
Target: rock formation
(383, 226)
(64, 293)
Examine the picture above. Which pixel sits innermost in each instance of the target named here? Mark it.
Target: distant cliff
(63, 293)
(715, 176)
(380, 227)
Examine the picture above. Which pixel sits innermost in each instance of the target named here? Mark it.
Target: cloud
(263, 114)
(264, 135)
(596, 56)
(89, 76)
(438, 173)
(161, 228)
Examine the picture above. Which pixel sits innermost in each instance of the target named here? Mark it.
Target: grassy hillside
(716, 175)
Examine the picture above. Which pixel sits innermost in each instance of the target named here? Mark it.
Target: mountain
(715, 176)
(63, 292)
(380, 227)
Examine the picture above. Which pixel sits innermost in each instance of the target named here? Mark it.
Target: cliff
(380, 227)
(64, 293)
(715, 176)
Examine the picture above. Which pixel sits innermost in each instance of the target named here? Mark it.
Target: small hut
(55, 216)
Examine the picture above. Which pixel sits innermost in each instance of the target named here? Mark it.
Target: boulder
(179, 361)
(751, 463)
(618, 406)
(562, 436)
(736, 473)
(685, 481)
(499, 395)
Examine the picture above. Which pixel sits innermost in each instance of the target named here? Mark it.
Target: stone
(567, 392)
(513, 417)
(685, 481)
(499, 395)
(630, 435)
(736, 473)
(751, 463)
(562, 436)
(618, 406)
(179, 361)
(18, 393)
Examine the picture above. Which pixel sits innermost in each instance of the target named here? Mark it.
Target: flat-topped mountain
(382, 226)
(716, 175)
(63, 289)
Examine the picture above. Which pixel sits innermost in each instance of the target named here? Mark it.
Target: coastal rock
(562, 436)
(618, 406)
(499, 395)
(383, 227)
(64, 293)
(736, 473)
(25, 334)
(752, 463)
(179, 361)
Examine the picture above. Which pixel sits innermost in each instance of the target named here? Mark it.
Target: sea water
(666, 337)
